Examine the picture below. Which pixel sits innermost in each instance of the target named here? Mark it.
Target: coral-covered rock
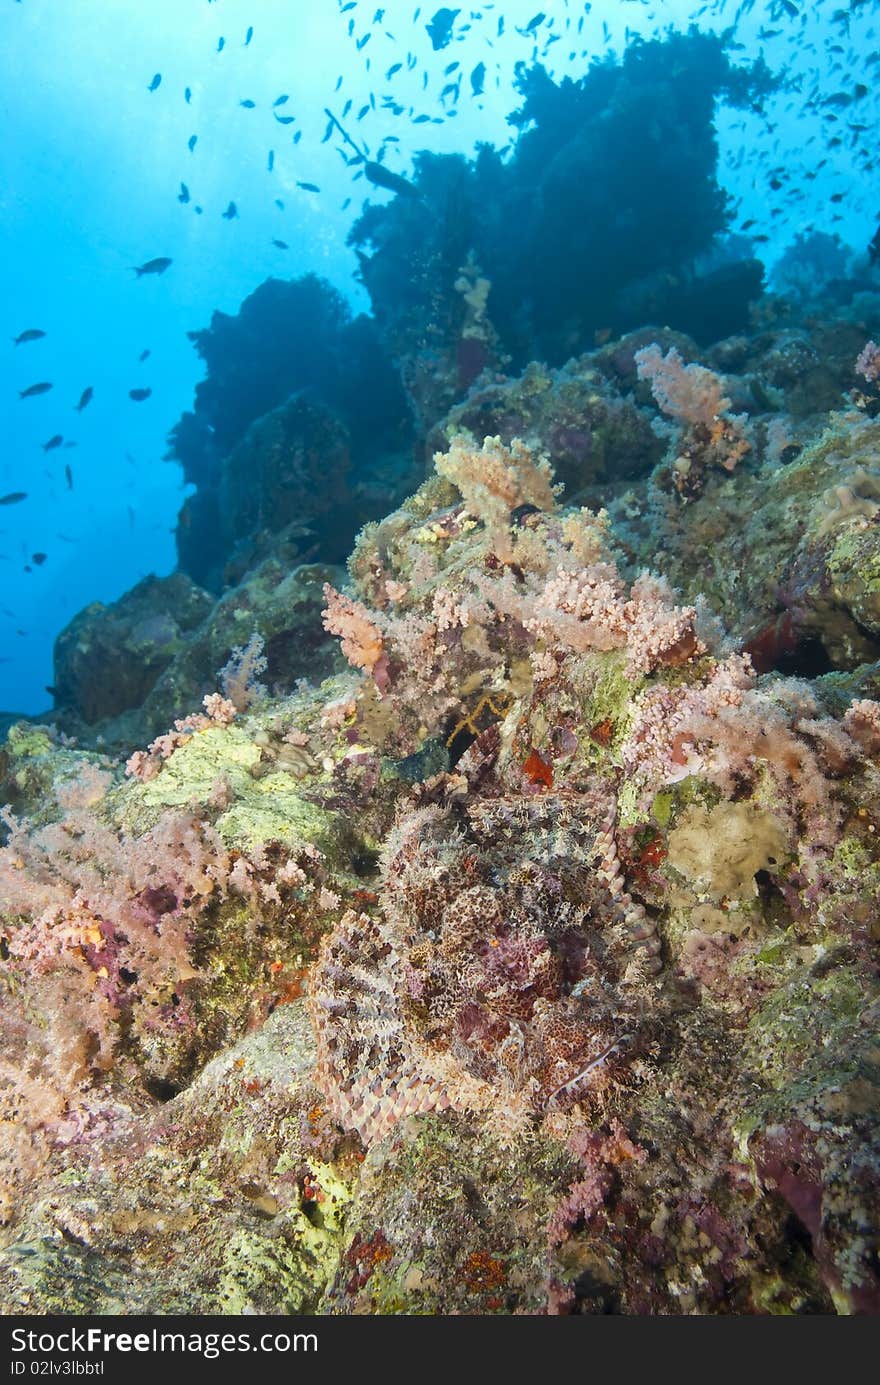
(107, 660)
(261, 1218)
(592, 432)
(580, 901)
(797, 530)
(291, 465)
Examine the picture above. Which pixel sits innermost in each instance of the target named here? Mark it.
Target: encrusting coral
(582, 909)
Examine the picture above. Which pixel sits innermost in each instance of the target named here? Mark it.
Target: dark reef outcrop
(613, 191)
(292, 340)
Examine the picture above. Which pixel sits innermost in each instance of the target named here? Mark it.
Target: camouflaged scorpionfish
(508, 973)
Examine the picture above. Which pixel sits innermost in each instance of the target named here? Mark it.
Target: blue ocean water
(131, 129)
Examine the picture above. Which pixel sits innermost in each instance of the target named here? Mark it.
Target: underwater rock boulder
(282, 604)
(805, 370)
(261, 1221)
(279, 599)
(292, 466)
(794, 529)
(109, 658)
(593, 434)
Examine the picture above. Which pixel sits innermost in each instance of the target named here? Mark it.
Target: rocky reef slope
(525, 964)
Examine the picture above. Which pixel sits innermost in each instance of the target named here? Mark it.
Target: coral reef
(109, 658)
(279, 599)
(526, 966)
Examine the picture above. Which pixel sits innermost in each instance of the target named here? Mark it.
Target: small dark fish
(248, 104)
(836, 197)
(285, 119)
(39, 558)
(362, 112)
(84, 398)
(183, 195)
(139, 395)
(13, 497)
(279, 204)
(338, 83)
(298, 136)
(157, 266)
(309, 187)
(440, 28)
(231, 212)
(191, 142)
(346, 203)
(347, 107)
(187, 95)
(156, 82)
(248, 36)
(221, 45)
(281, 100)
(395, 67)
(450, 68)
(32, 334)
(42, 388)
(69, 474)
(478, 78)
(282, 244)
(270, 162)
(534, 23)
(198, 210)
(53, 443)
(382, 177)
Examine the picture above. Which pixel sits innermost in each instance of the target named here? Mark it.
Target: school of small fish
(838, 122)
